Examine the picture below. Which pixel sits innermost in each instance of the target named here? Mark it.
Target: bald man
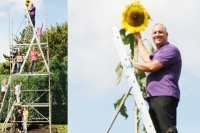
(163, 69)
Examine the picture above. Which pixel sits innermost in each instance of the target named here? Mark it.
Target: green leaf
(131, 37)
(119, 71)
(126, 39)
(123, 108)
(140, 74)
(151, 48)
(143, 81)
(122, 34)
(149, 17)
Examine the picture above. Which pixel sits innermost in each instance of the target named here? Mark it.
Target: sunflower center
(135, 17)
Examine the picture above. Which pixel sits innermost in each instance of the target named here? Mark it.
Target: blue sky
(56, 12)
(93, 59)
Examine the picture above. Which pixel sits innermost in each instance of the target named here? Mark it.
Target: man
(25, 119)
(18, 118)
(164, 68)
(32, 10)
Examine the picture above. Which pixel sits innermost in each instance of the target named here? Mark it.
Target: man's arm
(144, 53)
(148, 66)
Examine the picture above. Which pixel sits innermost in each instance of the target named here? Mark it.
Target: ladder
(128, 68)
(7, 119)
(31, 44)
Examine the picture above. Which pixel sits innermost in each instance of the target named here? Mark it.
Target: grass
(60, 128)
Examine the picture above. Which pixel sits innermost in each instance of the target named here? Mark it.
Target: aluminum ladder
(134, 86)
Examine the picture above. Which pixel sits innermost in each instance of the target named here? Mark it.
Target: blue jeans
(18, 66)
(33, 64)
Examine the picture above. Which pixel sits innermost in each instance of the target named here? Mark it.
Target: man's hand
(137, 36)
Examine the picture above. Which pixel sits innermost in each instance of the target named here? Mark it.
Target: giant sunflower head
(134, 17)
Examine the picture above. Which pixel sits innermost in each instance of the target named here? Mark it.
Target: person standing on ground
(18, 119)
(4, 87)
(163, 69)
(19, 59)
(33, 55)
(32, 10)
(18, 90)
(25, 119)
(39, 32)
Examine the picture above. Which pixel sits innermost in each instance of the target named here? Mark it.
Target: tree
(57, 45)
(57, 38)
(59, 89)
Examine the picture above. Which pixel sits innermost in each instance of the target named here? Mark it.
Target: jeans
(162, 110)
(18, 66)
(33, 64)
(25, 125)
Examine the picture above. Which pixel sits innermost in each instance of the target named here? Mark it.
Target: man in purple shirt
(164, 68)
(32, 10)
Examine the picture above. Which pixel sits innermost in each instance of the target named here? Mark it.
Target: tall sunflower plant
(135, 19)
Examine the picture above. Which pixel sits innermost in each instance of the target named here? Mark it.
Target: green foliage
(123, 108)
(5, 68)
(127, 39)
(59, 89)
(57, 38)
(141, 78)
(119, 71)
(25, 36)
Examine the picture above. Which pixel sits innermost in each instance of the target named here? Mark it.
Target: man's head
(19, 110)
(159, 35)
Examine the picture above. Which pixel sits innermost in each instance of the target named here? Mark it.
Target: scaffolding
(34, 105)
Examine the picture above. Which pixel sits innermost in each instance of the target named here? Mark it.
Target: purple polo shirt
(164, 82)
(32, 11)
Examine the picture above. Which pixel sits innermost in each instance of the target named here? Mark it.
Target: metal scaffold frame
(33, 104)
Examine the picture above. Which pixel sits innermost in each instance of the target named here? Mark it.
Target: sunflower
(134, 17)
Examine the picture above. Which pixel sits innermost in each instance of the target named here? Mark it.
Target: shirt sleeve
(168, 55)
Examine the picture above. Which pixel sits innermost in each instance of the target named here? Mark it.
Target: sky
(12, 16)
(93, 60)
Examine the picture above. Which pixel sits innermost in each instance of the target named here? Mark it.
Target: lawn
(56, 128)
